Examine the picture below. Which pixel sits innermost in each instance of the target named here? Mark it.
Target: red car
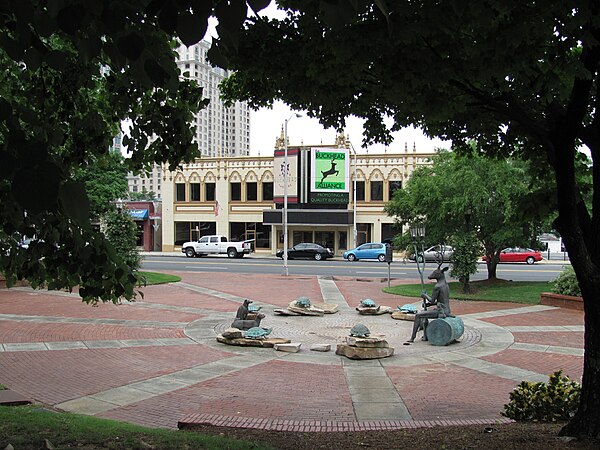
(512, 255)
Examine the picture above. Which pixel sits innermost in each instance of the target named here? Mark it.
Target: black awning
(309, 217)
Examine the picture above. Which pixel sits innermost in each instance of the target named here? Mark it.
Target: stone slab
(311, 311)
(398, 315)
(373, 311)
(328, 308)
(368, 342)
(292, 347)
(363, 353)
(12, 398)
(321, 347)
(245, 342)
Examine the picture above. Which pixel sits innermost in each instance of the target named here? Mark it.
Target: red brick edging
(192, 420)
(562, 301)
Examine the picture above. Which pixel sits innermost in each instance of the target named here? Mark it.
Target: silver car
(437, 253)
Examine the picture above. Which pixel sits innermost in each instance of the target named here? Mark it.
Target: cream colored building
(237, 197)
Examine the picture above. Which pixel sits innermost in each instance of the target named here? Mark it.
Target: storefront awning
(138, 214)
(311, 217)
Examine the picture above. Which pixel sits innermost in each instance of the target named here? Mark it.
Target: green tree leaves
(460, 195)
(72, 71)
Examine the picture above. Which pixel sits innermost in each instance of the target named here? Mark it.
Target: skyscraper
(220, 130)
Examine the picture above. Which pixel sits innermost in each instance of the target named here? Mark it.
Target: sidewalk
(156, 362)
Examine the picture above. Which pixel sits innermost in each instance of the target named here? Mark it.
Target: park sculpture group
(435, 320)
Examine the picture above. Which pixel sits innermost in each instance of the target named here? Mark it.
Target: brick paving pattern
(156, 362)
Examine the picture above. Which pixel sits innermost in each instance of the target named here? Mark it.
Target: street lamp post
(285, 193)
(354, 230)
(417, 234)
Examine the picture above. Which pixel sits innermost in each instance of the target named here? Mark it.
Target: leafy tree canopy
(72, 70)
(517, 77)
(105, 180)
(470, 194)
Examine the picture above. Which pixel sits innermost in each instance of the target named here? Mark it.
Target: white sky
(266, 123)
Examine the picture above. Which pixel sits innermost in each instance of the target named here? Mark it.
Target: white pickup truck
(214, 245)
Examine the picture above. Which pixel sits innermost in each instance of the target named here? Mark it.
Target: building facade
(241, 197)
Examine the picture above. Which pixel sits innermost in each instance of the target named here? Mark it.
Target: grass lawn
(28, 426)
(159, 278)
(527, 292)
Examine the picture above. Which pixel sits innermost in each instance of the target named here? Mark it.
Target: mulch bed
(530, 436)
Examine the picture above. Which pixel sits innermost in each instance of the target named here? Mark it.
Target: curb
(193, 420)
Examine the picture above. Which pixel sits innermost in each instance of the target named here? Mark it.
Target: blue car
(368, 250)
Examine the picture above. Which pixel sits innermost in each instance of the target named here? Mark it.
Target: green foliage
(141, 196)
(121, 231)
(556, 400)
(468, 198)
(567, 283)
(105, 180)
(71, 72)
(464, 259)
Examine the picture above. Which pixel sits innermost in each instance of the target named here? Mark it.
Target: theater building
(243, 197)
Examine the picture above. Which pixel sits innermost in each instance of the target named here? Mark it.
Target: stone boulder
(363, 353)
(374, 310)
(368, 342)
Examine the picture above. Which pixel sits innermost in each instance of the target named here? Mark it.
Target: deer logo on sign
(331, 170)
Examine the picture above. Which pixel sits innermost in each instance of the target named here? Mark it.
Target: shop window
(393, 186)
(363, 233)
(267, 191)
(388, 231)
(376, 191)
(235, 192)
(251, 192)
(195, 192)
(257, 232)
(325, 239)
(180, 192)
(360, 191)
(139, 235)
(343, 240)
(210, 191)
(192, 231)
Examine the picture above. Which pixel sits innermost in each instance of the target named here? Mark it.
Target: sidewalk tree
(121, 231)
(72, 70)
(458, 195)
(105, 180)
(517, 77)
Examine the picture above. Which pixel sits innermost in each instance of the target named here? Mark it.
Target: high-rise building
(220, 131)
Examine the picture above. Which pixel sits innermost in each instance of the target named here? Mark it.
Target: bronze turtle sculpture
(360, 330)
(257, 333)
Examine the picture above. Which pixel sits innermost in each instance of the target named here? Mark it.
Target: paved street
(156, 362)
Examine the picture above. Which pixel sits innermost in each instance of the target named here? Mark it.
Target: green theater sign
(330, 175)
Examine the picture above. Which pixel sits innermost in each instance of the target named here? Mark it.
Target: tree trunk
(492, 264)
(586, 421)
(466, 286)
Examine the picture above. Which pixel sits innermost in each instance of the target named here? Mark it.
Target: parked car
(368, 250)
(437, 253)
(214, 245)
(517, 254)
(307, 250)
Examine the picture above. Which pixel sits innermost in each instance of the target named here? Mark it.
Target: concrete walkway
(156, 361)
